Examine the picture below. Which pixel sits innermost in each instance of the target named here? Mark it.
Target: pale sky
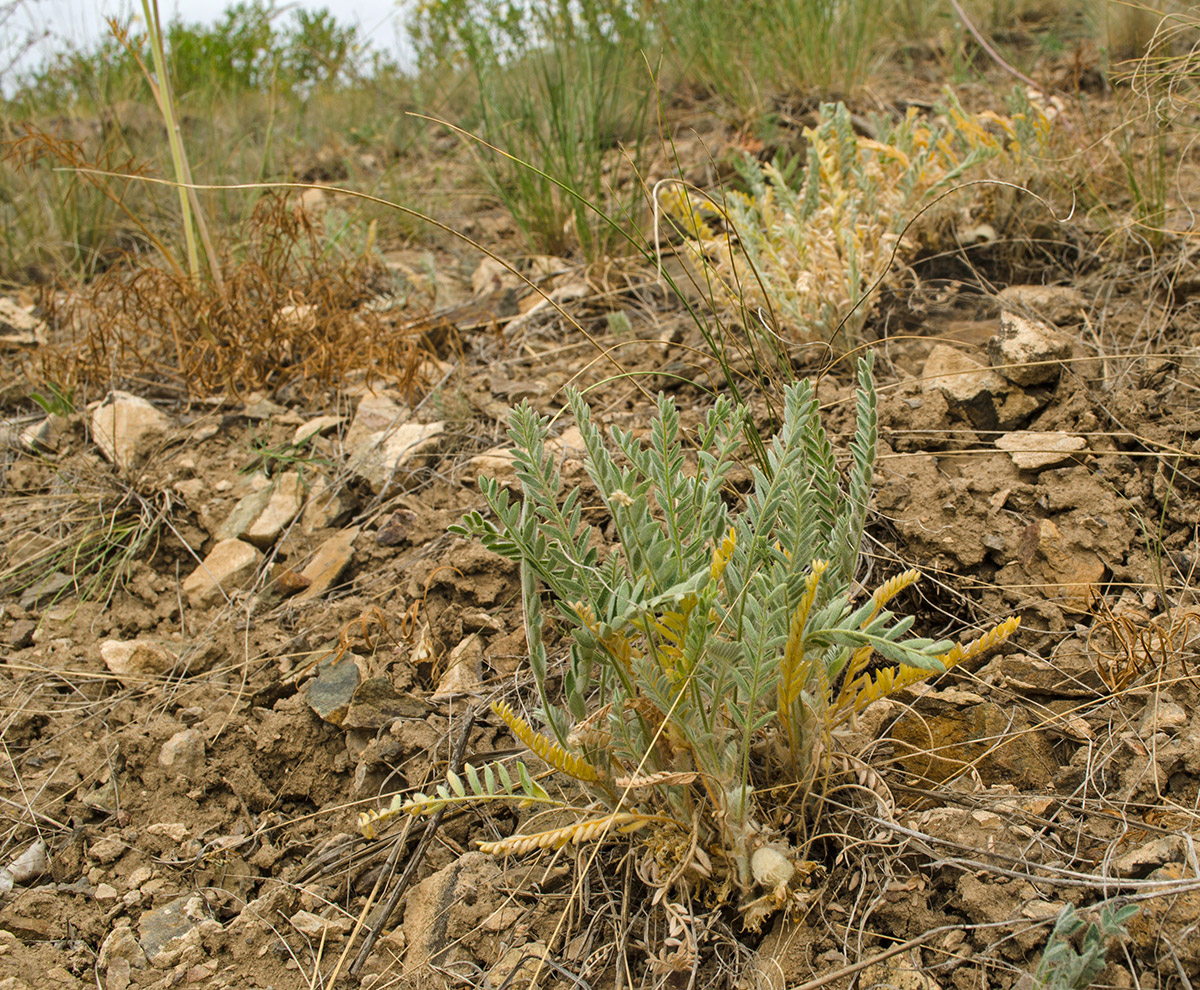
(81, 21)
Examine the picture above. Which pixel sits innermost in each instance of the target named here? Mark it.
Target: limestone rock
(135, 660)
(230, 565)
(1053, 303)
(183, 754)
(1028, 352)
(314, 428)
(1032, 451)
(126, 427)
(385, 447)
(328, 563)
(284, 503)
(463, 671)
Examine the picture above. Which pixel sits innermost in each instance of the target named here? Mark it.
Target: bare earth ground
(195, 758)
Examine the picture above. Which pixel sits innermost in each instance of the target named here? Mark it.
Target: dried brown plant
(292, 312)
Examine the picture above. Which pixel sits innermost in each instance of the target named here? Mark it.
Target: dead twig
(418, 855)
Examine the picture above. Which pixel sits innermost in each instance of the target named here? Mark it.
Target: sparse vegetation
(233, 622)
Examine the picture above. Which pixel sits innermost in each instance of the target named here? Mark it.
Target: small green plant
(273, 460)
(712, 651)
(562, 103)
(57, 400)
(1063, 967)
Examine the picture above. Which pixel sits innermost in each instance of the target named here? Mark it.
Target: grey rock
(183, 754)
(126, 428)
(329, 694)
(1028, 352)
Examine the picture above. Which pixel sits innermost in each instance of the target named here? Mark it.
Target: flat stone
(105, 892)
(314, 926)
(329, 693)
(162, 925)
(1053, 303)
(1028, 352)
(328, 563)
(284, 502)
(230, 565)
(1032, 451)
(126, 428)
(135, 660)
(183, 754)
(951, 733)
(462, 675)
(314, 428)
(248, 508)
(327, 505)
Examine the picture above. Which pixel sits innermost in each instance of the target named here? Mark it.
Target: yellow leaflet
(545, 747)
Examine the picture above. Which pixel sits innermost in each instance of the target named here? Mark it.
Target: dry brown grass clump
(291, 309)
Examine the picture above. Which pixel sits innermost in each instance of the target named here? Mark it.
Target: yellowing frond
(597, 829)
(991, 638)
(862, 691)
(545, 747)
(722, 554)
(370, 821)
(890, 589)
(791, 681)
